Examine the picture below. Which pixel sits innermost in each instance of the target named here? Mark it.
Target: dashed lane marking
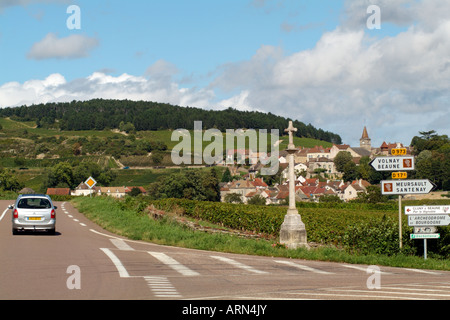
(162, 288)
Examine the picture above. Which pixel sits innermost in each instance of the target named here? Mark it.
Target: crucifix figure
(293, 232)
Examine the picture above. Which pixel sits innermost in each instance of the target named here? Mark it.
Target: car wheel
(14, 232)
(52, 232)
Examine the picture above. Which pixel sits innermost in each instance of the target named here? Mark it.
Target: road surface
(84, 262)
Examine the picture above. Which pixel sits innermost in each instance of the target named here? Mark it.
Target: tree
(341, 159)
(233, 198)
(365, 169)
(63, 174)
(135, 192)
(433, 158)
(372, 195)
(257, 200)
(188, 184)
(157, 157)
(350, 171)
(9, 182)
(227, 176)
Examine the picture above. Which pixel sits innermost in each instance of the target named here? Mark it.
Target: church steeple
(365, 141)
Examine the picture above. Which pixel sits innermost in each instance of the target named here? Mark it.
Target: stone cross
(291, 131)
(293, 231)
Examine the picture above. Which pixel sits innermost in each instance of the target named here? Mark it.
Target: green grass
(114, 216)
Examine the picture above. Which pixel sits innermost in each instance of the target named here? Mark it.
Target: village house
(322, 163)
(83, 190)
(298, 169)
(58, 191)
(336, 148)
(318, 152)
(116, 192)
(244, 188)
(350, 191)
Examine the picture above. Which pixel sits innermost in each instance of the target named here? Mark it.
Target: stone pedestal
(293, 232)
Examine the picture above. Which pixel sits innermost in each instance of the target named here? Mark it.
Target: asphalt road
(85, 262)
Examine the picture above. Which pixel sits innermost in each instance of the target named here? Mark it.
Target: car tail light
(16, 214)
(53, 214)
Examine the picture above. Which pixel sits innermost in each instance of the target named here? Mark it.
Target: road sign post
(425, 219)
(90, 182)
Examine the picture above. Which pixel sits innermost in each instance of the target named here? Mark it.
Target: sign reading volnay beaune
(393, 163)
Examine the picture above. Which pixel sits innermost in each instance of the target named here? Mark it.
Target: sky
(337, 64)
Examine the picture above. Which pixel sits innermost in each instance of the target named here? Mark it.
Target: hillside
(30, 151)
(102, 114)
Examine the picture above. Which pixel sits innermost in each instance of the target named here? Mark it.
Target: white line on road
(302, 267)
(161, 287)
(239, 265)
(122, 271)
(121, 245)
(174, 264)
(361, 268)
(423, 271)
(3, 215)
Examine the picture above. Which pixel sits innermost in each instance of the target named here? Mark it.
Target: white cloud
(72, 47)
(396, 85)
(100, 85)
(350, 79)
(12, 3)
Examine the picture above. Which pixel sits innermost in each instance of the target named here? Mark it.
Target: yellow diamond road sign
(90, 182)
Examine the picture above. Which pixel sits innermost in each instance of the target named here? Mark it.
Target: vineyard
(355, 229)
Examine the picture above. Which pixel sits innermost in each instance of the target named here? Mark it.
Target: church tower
(365, 141)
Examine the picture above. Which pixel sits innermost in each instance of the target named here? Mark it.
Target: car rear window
(34, 203)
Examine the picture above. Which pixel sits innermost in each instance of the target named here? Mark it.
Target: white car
(33, 212)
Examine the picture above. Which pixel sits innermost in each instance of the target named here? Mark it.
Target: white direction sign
(400, 187)
(393, 163)
(427, 210)
(427, 230)
(428, 220)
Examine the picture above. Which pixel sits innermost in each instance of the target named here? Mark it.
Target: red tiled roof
(58, 191)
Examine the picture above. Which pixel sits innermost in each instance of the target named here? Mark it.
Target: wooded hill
(100, 114)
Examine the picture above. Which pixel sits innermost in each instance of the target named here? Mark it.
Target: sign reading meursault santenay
(404, 187)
